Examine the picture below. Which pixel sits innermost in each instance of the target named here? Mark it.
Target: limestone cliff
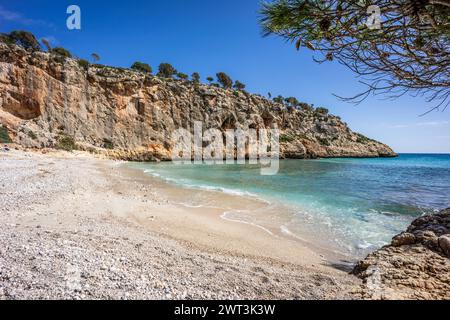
(129, 115)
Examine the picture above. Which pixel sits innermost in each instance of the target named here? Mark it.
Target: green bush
(4, 136)
(239, 85)
(324, 141)
(363, 139)
(166, 70)
(285, 138)
(60, 51)
(84, 64)
(279, 99)
(5, 38)
(182, 76)
(32, 135)
(224, 80)
(323, 111)
(108, 144)
(196, 77)
(66, 143)
(142, 67)
(306, 107)
(292, 102)
(24, 39)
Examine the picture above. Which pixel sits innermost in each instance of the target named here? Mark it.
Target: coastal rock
(129, 115)
(444, 244)
(415, 266)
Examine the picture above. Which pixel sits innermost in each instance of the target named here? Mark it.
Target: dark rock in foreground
(415, 266)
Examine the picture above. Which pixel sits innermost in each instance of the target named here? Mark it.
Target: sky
(208, 36)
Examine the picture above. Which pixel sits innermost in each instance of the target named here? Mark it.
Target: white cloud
(421, 124)
(433, 123)
(17, 17)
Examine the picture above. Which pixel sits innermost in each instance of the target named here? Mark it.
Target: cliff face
(131, 116)
(415, 266)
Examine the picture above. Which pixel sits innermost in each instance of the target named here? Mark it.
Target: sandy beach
(77, 227)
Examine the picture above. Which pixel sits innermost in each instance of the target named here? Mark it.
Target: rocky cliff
(415, 266)
(46, 100)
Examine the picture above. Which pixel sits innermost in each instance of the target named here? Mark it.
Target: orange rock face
(131, 116)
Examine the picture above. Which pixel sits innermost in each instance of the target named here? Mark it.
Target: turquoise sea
(354, 205)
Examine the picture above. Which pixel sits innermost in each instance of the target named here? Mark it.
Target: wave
(224, 217)
(189, 184)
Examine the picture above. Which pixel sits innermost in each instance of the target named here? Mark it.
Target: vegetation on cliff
(132, 113)
(4, 136)
(165, 70)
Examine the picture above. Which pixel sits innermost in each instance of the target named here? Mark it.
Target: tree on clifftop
(224, 80)
(182, 76)
(166, 70)
(292, 102)
(60, 51)
(46, 44)
(142, 67)
(95, 57)
(405, 51)
(239, 85)
(195, 77)
(24, 39)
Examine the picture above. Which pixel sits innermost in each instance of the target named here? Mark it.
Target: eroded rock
(136, 114)
(415, 266)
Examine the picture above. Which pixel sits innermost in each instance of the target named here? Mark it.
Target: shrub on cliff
(66, 143)
(239, 85)
(95, 57)
(32, 135)
(224, 80)
(196, 77)
(24, 39)
(108, 144)
(285, 138)
(60, 51)
(323, 111)
(46, 44)
(166, 70)
(363, 139)
(182, 76)
(84, 64)
(4, 136)
(142, 67)
(210, 79)
(292, 102)
(306, 107)
(279, 99)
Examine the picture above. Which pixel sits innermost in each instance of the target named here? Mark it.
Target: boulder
(444, 244)
(404, 238)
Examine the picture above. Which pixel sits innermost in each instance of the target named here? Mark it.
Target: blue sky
(210, 36)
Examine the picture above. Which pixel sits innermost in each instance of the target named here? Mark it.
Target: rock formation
(415, 266)
(46, 99)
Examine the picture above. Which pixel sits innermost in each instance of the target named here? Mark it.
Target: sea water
(352, 205)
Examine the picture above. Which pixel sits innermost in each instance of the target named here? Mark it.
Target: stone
(444, 244)
(413, 266)
(403, 239)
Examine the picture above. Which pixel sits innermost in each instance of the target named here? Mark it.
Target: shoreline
(84, 228)
(277, 216)
(209, 228)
